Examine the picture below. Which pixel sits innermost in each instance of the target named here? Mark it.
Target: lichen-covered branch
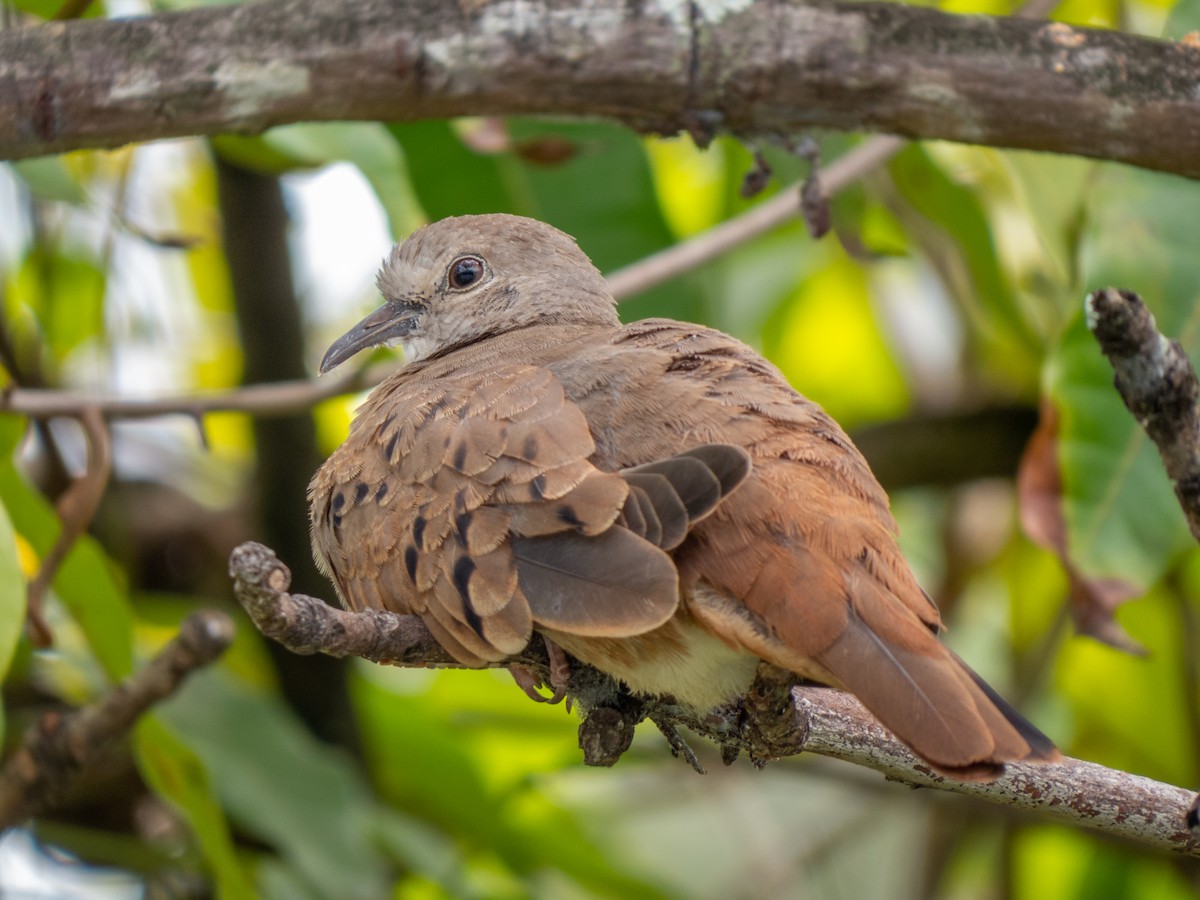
(655, 65)
(61, 745)
(776, 720)
(1156, 380)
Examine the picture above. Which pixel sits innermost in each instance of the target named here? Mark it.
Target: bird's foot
(679, 747)
(560, 674)
(768, 719)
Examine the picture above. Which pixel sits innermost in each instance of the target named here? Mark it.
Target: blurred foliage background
(941, 322)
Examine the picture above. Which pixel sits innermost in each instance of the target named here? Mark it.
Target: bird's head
(466, 278)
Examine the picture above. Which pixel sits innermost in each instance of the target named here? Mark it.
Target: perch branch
(282, 398)
(55, 750)
(754, 69)
(821, 720)
(1156, 380)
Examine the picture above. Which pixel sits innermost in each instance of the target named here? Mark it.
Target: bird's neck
(534, 344)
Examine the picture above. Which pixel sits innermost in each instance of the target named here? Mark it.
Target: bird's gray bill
(390, 322)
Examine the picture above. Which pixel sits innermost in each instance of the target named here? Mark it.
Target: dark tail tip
(1041, 748)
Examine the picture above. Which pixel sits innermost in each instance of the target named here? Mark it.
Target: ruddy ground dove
(652, 498)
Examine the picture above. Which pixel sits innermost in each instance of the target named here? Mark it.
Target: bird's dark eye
(465, 271)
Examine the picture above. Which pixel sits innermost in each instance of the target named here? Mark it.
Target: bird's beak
(391, 321)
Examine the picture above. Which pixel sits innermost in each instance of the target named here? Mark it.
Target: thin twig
(1156, 380)
(283, 398)
(76, 508)
(790, 203)
(60, 746)
(683, 257)
(826, 721)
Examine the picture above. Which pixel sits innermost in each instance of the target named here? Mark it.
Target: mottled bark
(655, 65)
(1156, 380)
(60, 746)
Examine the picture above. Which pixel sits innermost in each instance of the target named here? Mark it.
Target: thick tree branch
(655, 65)
(60, 746)
(1156, 380)
(777, 720)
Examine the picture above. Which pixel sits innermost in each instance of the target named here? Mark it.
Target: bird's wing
(470, 500)
(801, 564)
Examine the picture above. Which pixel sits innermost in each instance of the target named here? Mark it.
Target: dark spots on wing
(462, 522)
(685, 364)
(381, 491)
(338, 502)
(360, 492)
(538, 486)
(390, 450)
(530, 449)
(410, 561)
(463, 570)
(460, 456)
(566, 513)
(473, 618)
(418, 532)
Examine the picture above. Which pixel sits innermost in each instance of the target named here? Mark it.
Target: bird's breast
(679, 658)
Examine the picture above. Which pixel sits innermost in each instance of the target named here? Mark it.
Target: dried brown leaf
(1094, 601)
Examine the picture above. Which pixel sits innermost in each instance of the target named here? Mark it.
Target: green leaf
(366, 145)
(615, 225)
(460, 752)
(47, 9)
(987, 297)
(450, 179)
(279, 783)
(1122, 516)
(65, 293)
(12, 580)
(12, 598)
(1064, 863)
(1184, 17)
(48, 178)
(179, 776)
(1115, 726)
(827, 342)
(85, 582)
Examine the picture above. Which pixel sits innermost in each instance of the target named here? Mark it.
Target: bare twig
(818, 720)
(1156, 380)
(60, 746)
(282, 398)
(76, 508)
(683, 257)
(803, 198)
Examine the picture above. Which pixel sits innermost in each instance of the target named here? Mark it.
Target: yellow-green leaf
(178, 776)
